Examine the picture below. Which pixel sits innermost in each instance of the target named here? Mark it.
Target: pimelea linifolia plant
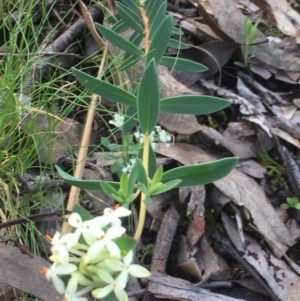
(97, 256)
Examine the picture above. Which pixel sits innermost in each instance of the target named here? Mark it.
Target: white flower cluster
(118, 120)
(129, 166)
(97, 265)
(158, 135)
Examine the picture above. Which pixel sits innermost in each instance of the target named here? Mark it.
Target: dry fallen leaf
(242, 190)
(23, 273)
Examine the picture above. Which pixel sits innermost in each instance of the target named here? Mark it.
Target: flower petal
(101, 221)
(58, 284)
(94, 250)
(113, 248)
(75, 220)
(120, 294)
(115, 232)
(105, 276)
(102, 292)
(128, 258)
(65, 269)
(121, 212)
(115, 265)
(138, 271)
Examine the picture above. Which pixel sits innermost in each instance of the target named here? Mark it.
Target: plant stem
(143, 205)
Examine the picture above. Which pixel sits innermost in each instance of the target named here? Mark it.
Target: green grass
(21, 140)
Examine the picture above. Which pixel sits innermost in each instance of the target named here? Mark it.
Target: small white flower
(104, 240)
(116, 285)
(126, 267)
(58, 269)
(71, 293)
(61, 247)
(115, 215)
(118, 120)
(124, 169)
(82, 228)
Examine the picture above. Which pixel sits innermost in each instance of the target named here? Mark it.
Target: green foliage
(291, 203)
(148, 102)
(143, 105)
(250, 33)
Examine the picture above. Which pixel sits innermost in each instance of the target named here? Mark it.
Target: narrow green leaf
(108, 189)
(130, 119)
(130, 17)
(142, 188)
(132, 179)
(177, 44)
(163, 187)
(160, 40)
(297, 206)
(84, 214)
(182, 64)
(119, 41)
(177, 31)
(132, 5)
(104, 89)
(120, 26)
(142, 176)
(148, 200)
(130, 61)
(124, 183)
(152, 7)
(84, 184)
(148, 99)
(157, 20)
(239, 64)
(193, 104)
(152, 162)
(157, 176)
(200, 174)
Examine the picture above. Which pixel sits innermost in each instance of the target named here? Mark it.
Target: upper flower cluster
(91, 258)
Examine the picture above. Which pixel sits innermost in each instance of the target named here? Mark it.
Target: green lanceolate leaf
(130, 119)
(124, 183)
(200, 174)
(193, 104)
(112, 192)
(148, 99)
(84, 184)
(132, 179)
(182, 64)
(142, 188)
(104, 89)
(119, 41)
(130, 60)
(157, 176)
(160, 40)
(85, 215)
(163, 187)
(119, 27)
(142, 176)
(152, 162)
(132, 5)
(152, 7)
(130, 17)
(177, 44)
(159, 17)
(177, 31)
